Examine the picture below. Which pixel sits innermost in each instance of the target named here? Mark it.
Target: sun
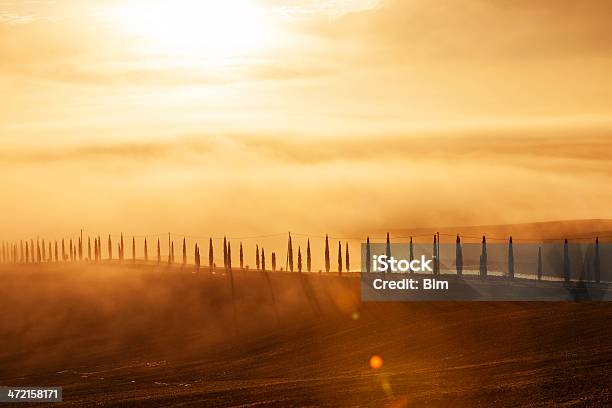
(202, 29)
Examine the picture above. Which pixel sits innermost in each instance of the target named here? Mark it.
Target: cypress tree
(158, 252)
(146, 250)
(44, 251)
(63, 251)
(133, 249)
(459, 257)
(273, 262)
(196, 257)
(257, 256)
(597, 262)
(308, 257)
(21, 251)
(510, 259)
(37, 251)
(121, 249)
(263, 260)
(110, 248)
(229, 257)
(388, 248)
(368, 260)
(340, 257)
(290, 253)
(184, 252)
(224, 253)
(483, 258)
(241, 257)
(299, 260)
(346, 258)
(172, 252)
(411, 255)
(327, 262)
(540, 263)
(211, 255)
(27, 256)
(56, 252)
(88, 249)
(50, 258)
(435, 255)
(80, 249)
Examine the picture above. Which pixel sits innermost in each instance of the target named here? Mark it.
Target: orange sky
(241, 117)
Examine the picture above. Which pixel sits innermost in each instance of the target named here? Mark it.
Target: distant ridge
(579, 230)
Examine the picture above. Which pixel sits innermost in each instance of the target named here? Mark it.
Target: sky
(254, 117)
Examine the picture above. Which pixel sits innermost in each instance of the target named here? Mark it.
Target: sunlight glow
(202, 29)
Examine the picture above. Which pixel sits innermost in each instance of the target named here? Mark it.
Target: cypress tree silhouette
(211, 256)
(435, 255)
(510, 259)
(110, 248)
(388, 248)
(229, 256)
(566, 262)
(21, 259)
(327, 262)
(37, 251)
(146, 250)
(299, 260)
(44, 251)
(27, 256)
(171, 252)
(459, 257)
(290, 253)
(88, 249)
(95, 249)
(540, 272)
(197, 257)
(339, 258)
(158, 251)
(483, 258)
(263, 260)
(257, 256)
(346, 259)
(411, 255)
(50, 253)
(81, 247)
(273, 262)
(597, 262)
(241, 258)
(184, 252)
(368, 257)
(56, 252)
(121, 249)
(308, 257)
(71, 251)
(133, 249)
(224, 253)
(63, 251)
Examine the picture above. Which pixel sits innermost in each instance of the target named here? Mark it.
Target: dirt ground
(138, 335)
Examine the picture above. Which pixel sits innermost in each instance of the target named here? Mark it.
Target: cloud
(135, 152)
(475, 29)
